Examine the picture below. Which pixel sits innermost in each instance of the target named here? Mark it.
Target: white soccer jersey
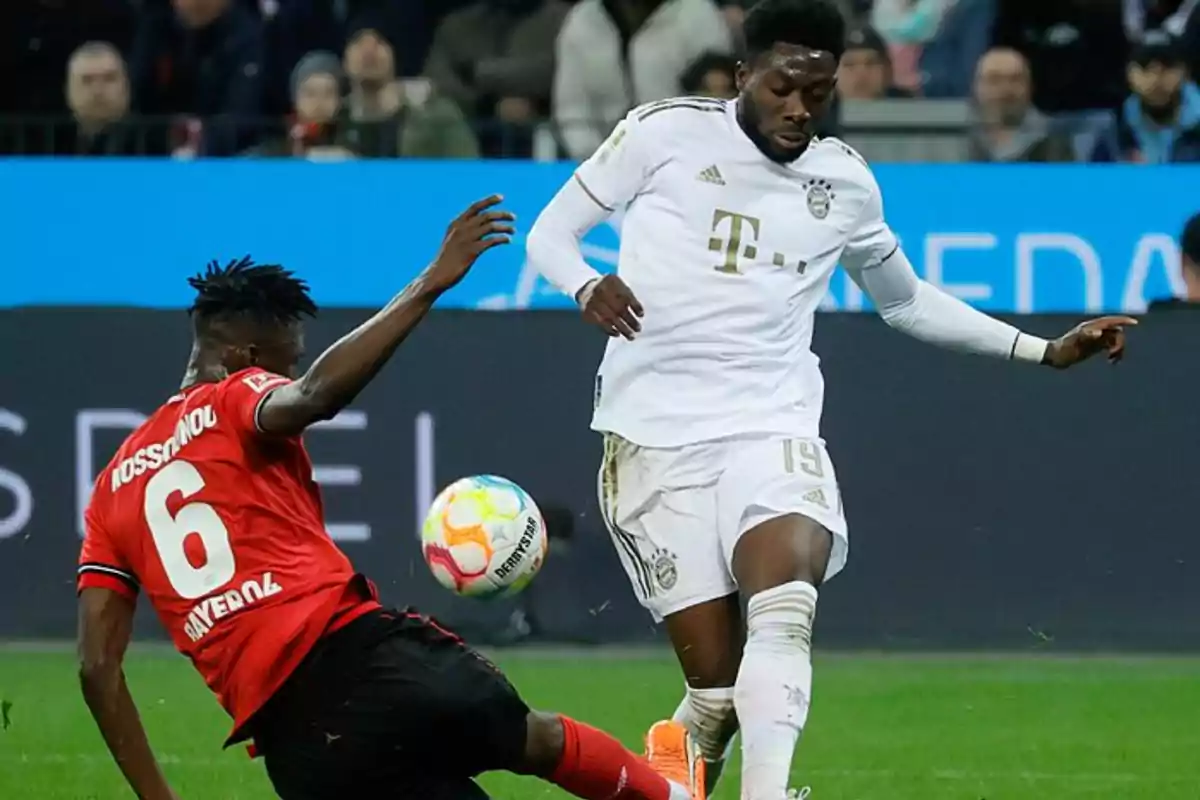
(730, 254)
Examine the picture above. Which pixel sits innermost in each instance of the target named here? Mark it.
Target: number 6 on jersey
(170, 532)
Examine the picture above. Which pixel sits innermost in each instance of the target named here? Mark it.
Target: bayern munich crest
(666, 574)
(820, 197)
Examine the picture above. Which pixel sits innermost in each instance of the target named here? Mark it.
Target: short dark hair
(1189, 242)
(812, 23)
(265, 293)
(692, 80)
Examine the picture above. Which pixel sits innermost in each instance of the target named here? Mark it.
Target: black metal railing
(397, 136)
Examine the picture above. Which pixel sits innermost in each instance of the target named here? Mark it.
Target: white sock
(709, 716)
(774, 685)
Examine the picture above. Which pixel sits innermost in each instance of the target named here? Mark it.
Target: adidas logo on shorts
(816, 497)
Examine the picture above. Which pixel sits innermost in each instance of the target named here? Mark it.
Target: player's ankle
(545, 741)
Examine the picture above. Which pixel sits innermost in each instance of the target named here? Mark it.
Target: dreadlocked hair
(266, 293)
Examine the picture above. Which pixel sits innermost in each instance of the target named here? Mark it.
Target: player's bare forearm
(345, 369)
(112, 706)
(105, 627)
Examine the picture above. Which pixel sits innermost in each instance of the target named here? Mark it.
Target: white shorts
(675, 514)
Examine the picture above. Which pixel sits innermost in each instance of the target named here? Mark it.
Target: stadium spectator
(948, 59)
(316, 89)
(1074, 47)
(1180, 18)
(1189, 270)
(613, 55)
(203, 60)
(385, 117)
(907, 25)
(865, 72)
(37, 37)
(1005, 126)
(495, 58)
(98, 96)
(1159, 122)
(711, 75)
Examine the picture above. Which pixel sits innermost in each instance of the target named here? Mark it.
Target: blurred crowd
(1043, 80)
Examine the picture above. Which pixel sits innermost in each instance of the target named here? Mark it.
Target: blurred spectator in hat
(1159, 122)
(865, 72)
(1075, 49)
(613, 55)
(495, 58)
(1005, 126)
(316, 90)
(384, 117)
(906, 25)
(316, 85)
(1189, 270)
(948, 60)
(1180, 18)
(37, 38)
(203, 60)
(711, 75)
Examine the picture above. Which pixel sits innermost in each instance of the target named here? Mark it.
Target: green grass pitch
(882, 728)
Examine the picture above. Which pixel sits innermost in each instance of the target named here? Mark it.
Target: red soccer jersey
(222, 528)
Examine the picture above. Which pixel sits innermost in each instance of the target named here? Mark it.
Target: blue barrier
(1021, 238)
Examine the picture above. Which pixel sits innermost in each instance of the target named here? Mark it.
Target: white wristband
(1029, 348)
(584, 288)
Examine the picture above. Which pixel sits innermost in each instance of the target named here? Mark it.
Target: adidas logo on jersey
(711, 175)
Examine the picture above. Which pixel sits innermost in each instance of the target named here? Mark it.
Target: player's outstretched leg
(778, 565)
(708, 639)
(589, 763)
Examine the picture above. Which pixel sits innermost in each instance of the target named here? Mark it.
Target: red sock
(595, 766)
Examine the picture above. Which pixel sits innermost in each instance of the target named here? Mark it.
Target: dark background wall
(990, 504)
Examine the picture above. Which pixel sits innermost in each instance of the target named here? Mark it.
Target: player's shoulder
(679, 114)
(255, 379)
(840, 161)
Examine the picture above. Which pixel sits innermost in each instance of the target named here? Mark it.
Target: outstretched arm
(105, 626)
(925, 312)
(875, 261)
(344, 370)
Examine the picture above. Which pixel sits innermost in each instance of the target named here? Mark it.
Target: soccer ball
(484, 537)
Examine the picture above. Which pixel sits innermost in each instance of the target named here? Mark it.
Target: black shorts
(391, 706)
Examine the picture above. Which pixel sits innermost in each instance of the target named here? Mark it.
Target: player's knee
(710, 716)
(785, 549)
(544, 740)
(781, 617)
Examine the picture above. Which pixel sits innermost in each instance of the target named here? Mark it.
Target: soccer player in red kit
(210, 510)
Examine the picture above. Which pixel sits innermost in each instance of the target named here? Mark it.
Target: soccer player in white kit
(715, 480)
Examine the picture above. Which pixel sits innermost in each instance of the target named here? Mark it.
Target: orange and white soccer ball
(483, 537)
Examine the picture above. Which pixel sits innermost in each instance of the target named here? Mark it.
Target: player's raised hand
(478, 229)
(610, 305)
(1102, 335)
